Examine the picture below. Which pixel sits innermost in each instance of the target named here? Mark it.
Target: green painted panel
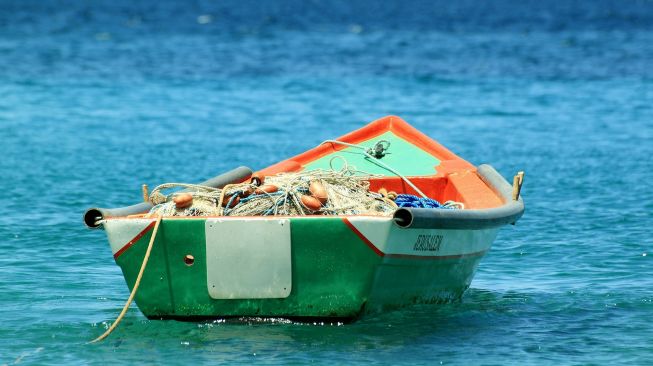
(402, 156)
(155, 283)
(334, 274)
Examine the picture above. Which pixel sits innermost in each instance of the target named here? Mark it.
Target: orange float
(183, 200)
(268, 188)
(311, 202)
(226, 200)
(318, 191)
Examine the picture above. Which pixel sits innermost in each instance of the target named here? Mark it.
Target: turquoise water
(96, 100)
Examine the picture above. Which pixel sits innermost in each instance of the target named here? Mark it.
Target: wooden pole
(517, 182)
(146, 193)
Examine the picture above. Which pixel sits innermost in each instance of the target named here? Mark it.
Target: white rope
(377, 162)
(347, 194)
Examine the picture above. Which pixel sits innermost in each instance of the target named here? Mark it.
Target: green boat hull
(338, 267)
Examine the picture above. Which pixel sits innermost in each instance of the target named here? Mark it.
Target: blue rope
(271, 209)
(408, 200)
(252, 196)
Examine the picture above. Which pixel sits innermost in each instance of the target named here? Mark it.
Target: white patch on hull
(121, 232)
(248, 258)
(394, 241)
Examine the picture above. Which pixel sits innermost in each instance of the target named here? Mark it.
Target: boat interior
(434, 169)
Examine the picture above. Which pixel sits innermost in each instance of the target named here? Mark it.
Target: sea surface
(97, 98)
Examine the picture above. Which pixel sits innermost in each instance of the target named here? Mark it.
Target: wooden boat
(322, 266)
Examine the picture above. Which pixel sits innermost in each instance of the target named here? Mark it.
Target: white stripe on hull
(393, 240)
(121, 232)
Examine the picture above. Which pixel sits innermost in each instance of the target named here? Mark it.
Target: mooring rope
(136, 284)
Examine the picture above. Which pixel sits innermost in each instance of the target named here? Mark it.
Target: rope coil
(409, 200)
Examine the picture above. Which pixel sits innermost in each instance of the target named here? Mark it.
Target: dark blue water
(98, 98)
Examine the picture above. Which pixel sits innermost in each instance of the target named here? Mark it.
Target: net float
(226, 200)
(318, 191)
(247, 191)
(311, 202)
(268, 188)
(183, 200)
(383, 192)
(392, 195)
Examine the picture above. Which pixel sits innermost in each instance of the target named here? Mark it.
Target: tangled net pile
(281, 194)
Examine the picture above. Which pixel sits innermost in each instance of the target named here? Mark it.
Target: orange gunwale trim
(466, 188)
(443, 186)
(392, 124)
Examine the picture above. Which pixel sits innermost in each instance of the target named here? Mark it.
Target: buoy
(318, 191)
(234, 202)
(311, 202)
(183, 200)
(247, 191)
(268, 188)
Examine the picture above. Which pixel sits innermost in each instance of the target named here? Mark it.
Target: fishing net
(344, 193)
